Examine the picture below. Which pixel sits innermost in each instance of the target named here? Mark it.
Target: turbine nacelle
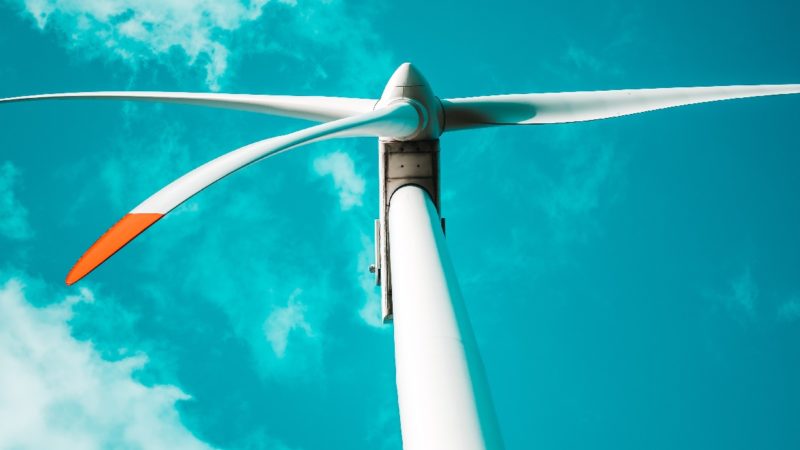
(409, 86)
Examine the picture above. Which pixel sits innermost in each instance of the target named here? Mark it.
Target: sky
(632, 283)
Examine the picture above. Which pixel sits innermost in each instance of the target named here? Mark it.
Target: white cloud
(139, 31)
(13, 215)
(57, 392)
(283, 321)
(348, 183)
(208, 34)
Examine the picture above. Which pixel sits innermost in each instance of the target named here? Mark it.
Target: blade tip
(77, 273)
(119, 235)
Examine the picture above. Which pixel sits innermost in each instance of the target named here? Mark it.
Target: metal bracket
(401, 163)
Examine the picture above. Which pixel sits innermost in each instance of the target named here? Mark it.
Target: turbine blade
(319, 109)
(397, 121)
(565, 107)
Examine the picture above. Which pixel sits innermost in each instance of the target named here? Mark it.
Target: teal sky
(633, 283)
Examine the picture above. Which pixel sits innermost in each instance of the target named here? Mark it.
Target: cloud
(740, 298)
(340, 167)
(208, 34)
(351, 189)
(250, 250)
(142, 158)
(586, 178)
(744, 294)
(383, 432)
(578, 63)
(594, 59)
(324, 39)
(13, 215)
(577, 191)
(283, 321)
(57, 392)
(137, 32)
(370, 312)
(790, 311)
(339, 39)
(580, 60)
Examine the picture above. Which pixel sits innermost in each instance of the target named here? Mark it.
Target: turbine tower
(443, 393)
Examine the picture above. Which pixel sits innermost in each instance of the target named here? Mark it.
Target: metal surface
(401, 163)
(444, 399)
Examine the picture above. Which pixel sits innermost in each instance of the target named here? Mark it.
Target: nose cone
(406, 75)
(408, 84)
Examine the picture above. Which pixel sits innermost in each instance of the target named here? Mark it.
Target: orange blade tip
(130, 226)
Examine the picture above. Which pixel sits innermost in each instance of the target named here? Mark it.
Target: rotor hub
(408, 85)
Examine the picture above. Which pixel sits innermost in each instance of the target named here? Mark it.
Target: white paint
(564, 107)
(444, 398)
(407, 84)
(319, 109)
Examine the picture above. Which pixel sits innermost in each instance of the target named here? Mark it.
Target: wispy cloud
(349, 184)
(249, 266)
(383, 432)
(57, 390)
(209, 34)
(13, 215)
(144, 157)
(740, 297)
(586, 177)
(563, 177)
(599, 58)
(577, 191)
(370, 312)
(743, 294)
(137, 32)
(578, 59)
(282, 322)
(246, 284)
(790, 310)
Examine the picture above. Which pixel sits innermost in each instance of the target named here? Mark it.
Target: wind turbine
(442, 390)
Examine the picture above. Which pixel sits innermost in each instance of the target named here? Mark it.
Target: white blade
(564, 107)
(319, 109)
(397, 121)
